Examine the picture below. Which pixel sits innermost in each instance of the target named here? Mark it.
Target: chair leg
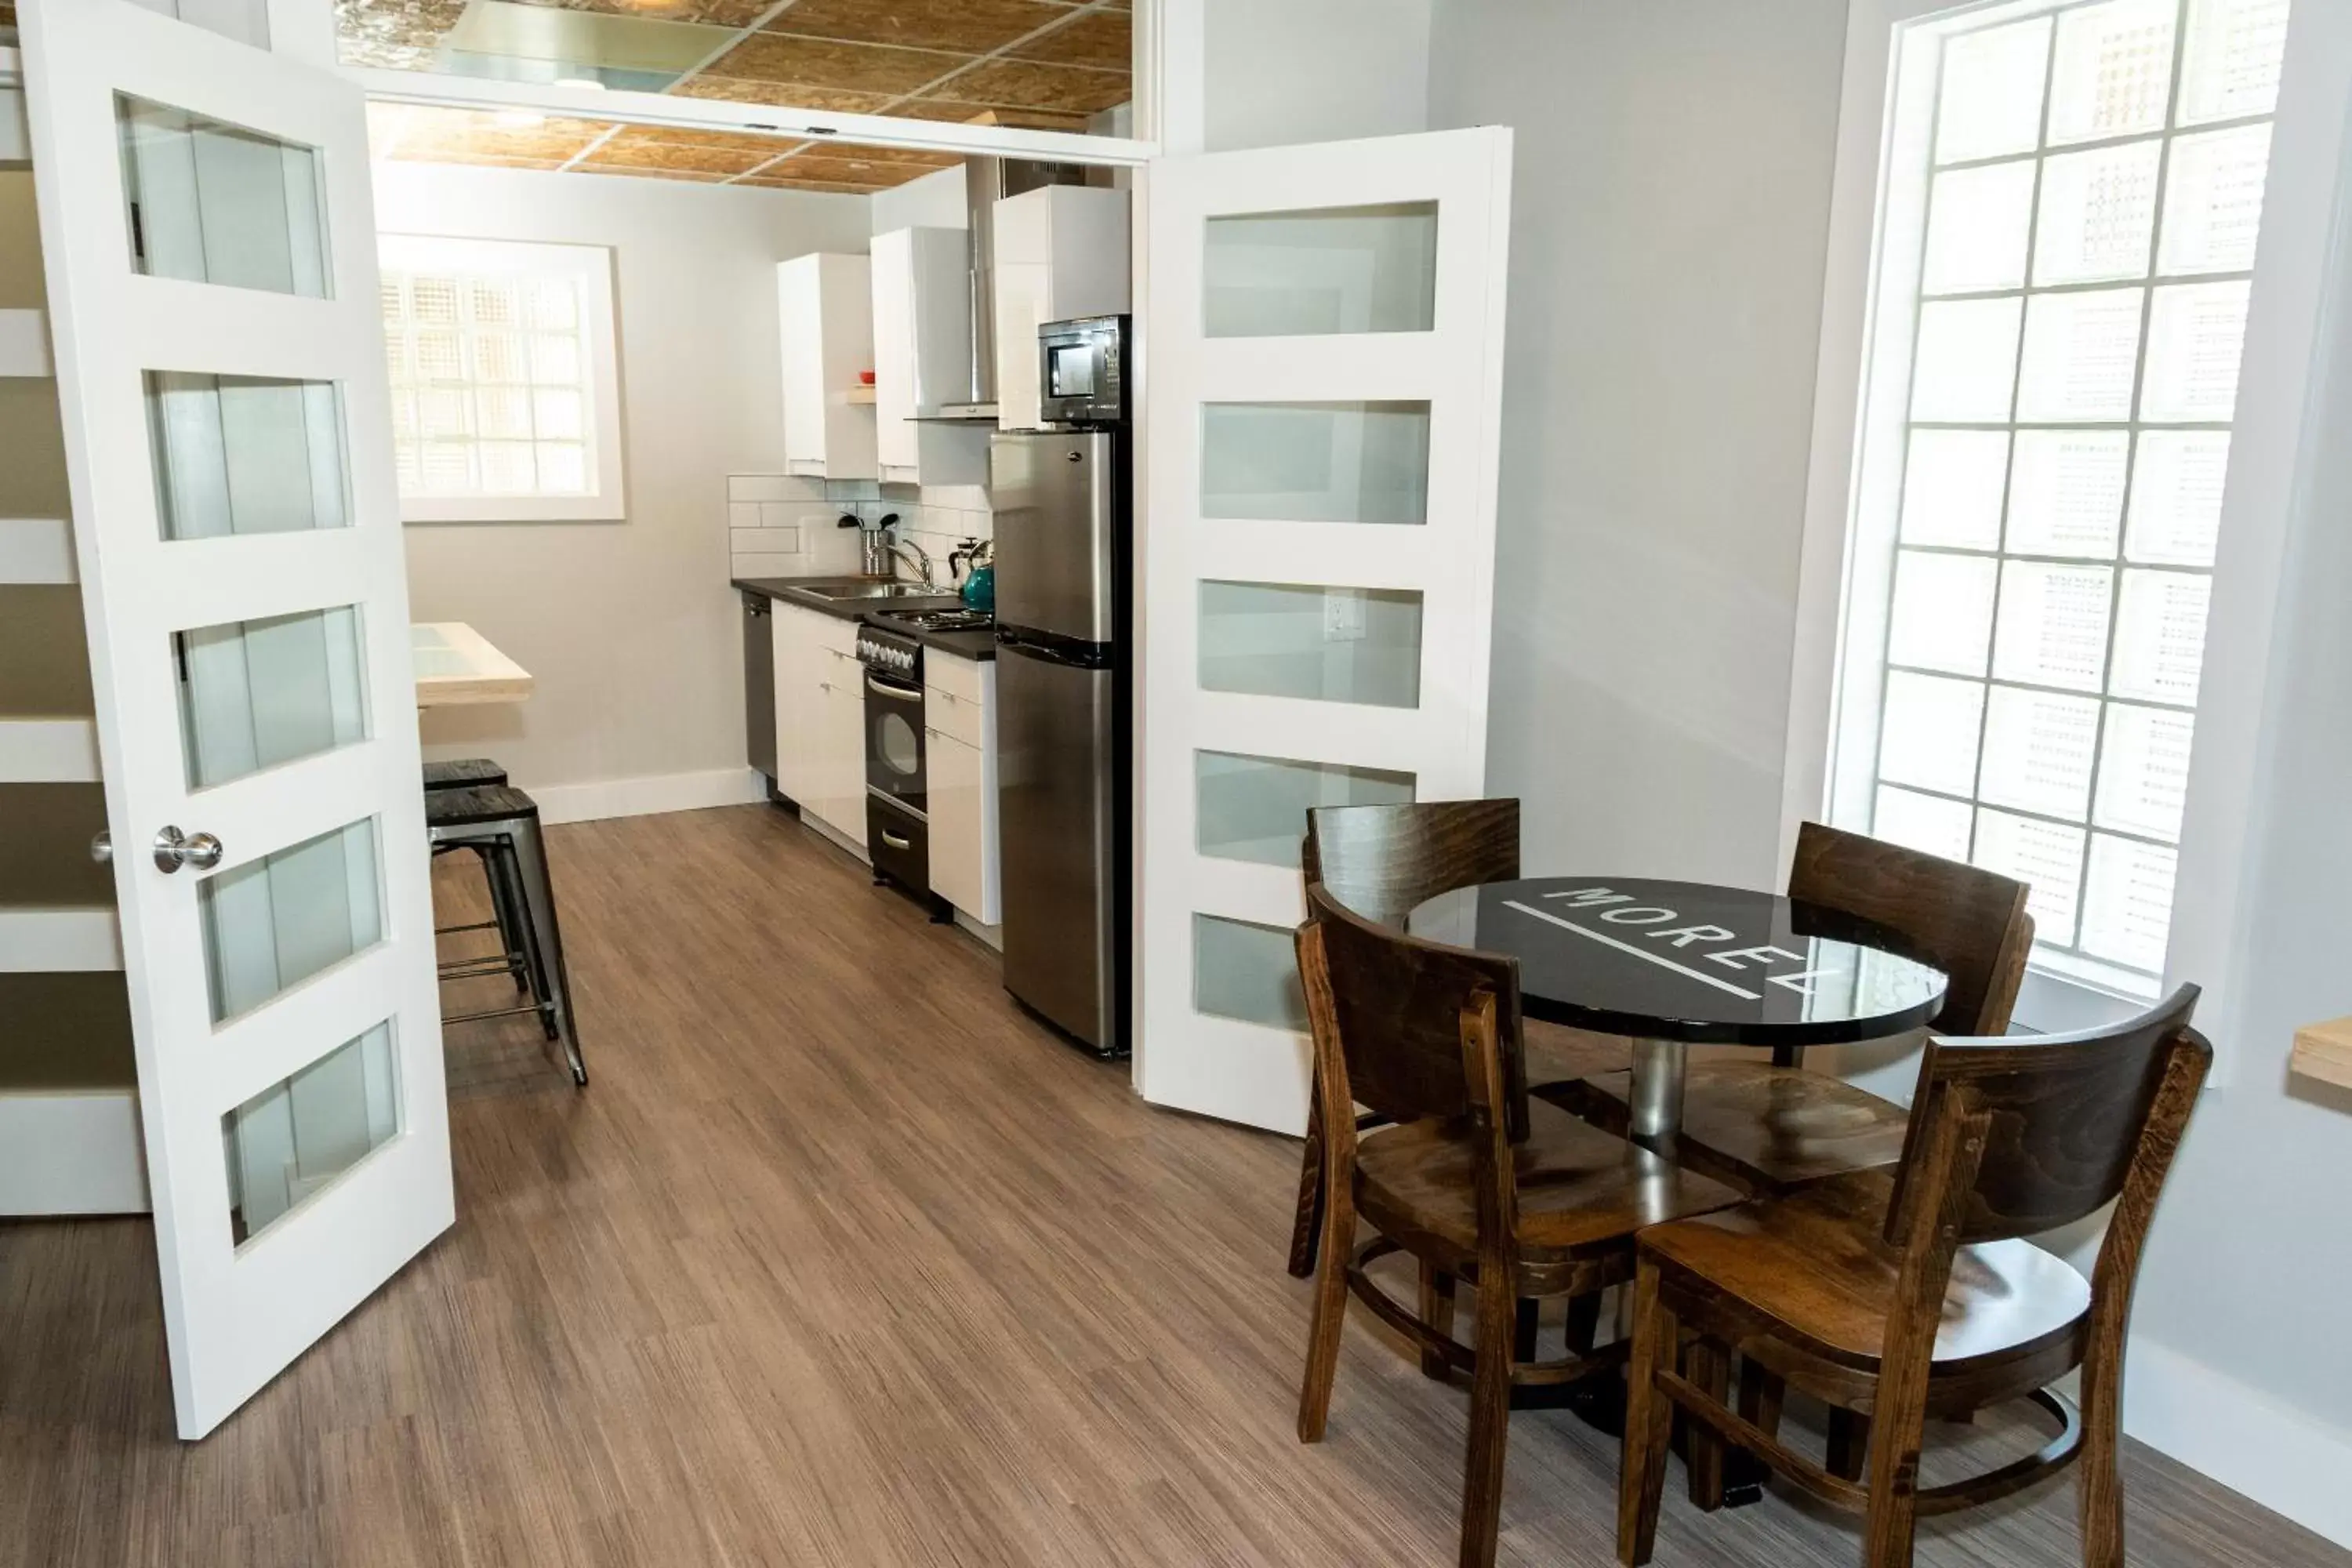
(1649, 1421)
(506, 899)
(1761, 1395)
(1892, 1515)
(1708, 1366)
(1307, 1222)
(539, 904)
(1329, 1312)
(1849, 1444)
(1583, 1324)
(2098, 1476)
(1437, 1312)
(1523, 1323)
(1499, 1319)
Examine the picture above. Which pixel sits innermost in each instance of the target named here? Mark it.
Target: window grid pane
(2095, 349)
(490, 384)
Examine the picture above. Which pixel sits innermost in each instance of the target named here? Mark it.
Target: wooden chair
(1381, 861)
(1912, 1293)
(1772, 1127)
(1474, 1182)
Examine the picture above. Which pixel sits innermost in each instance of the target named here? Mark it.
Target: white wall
(935, 201)
(1668, 232)
(630, 628)
(1278, 71)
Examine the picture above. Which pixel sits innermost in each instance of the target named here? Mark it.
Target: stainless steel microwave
(1082, 370)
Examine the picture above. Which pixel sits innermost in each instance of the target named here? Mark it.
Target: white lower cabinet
(821, 719)
(959, 761)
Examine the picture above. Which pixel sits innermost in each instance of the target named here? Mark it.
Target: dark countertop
(973, 645)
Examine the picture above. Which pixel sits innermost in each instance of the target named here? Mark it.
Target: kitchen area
(956, 710)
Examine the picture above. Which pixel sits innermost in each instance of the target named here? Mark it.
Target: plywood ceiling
(1046, 63)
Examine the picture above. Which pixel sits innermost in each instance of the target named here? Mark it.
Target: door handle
(894, 842)
(175, 850)
(101, 848)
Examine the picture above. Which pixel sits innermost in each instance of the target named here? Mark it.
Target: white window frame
(591, 266)
(2269, 454)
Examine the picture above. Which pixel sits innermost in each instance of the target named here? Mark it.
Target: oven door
(894, 740)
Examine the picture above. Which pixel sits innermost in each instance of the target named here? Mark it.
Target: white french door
(1324, 341)
(210, 249)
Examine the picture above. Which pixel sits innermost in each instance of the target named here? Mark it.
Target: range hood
(986, 182)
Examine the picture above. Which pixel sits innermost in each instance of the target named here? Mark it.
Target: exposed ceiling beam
(681, 112)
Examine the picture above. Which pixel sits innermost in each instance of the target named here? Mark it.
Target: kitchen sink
(879, 591)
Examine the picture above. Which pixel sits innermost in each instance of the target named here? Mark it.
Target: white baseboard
(2250, 1442)
(648, 797)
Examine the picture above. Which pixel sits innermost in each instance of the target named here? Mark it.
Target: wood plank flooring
(839, 1260)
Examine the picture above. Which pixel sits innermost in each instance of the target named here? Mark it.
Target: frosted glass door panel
(1977, 222)
(244, 455)
(213, 203)
(2052, 629)
(1316, 462)
(276, 921)
(1991, 102)
(1924, 821)
(1245, 971)
(1327, 644)
(1315, 273)
(290, 1140)
(254, 694)
(1255, 808)
(1952, 488)
(2037, 748)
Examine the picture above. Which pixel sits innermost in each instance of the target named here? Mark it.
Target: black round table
(1673, 964)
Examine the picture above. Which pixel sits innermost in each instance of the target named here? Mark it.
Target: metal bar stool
(506, 896)
(501, 823)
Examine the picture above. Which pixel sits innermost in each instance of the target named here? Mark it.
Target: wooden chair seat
(1817, 1266)
(1764, 1128)
(1579, 1188)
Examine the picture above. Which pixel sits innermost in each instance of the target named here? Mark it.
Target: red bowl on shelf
(865, 378)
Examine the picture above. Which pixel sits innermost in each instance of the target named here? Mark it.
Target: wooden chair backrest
(1967, 922)
(1382, 861)
(2061, 1124)
(1391, 1008)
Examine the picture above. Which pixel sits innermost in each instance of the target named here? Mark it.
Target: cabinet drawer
(956, 717)
(963, 827)
(958, 677)
(836, 633)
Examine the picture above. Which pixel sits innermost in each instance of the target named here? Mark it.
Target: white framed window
(506, 401)
(2070, 193)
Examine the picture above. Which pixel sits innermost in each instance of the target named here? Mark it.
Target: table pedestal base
(1656, 1108)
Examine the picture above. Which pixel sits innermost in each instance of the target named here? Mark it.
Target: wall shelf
(37, 550)
(59, 941)
(2323, 1051)
(25, 343)
(49, 751)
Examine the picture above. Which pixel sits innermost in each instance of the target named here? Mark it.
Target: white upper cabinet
(825, 306)
(922, 357)
(1061, 252)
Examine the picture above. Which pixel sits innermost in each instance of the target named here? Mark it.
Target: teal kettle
(978, 559)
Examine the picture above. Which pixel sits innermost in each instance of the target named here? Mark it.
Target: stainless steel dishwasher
(760, 684)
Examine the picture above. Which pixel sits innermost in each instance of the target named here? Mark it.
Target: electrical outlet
(1343, 615)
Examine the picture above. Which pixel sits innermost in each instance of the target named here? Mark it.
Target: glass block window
(502, 383)
(2075, 255)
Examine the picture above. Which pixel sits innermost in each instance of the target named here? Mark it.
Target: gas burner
(948, 620)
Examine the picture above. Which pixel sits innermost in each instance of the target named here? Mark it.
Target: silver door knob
(175, 850)
(101, 848)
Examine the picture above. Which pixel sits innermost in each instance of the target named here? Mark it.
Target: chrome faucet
(916, 556)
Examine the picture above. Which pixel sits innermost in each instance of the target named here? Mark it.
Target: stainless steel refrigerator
(1062, 735)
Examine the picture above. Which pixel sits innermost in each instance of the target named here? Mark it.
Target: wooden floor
(839, 1260)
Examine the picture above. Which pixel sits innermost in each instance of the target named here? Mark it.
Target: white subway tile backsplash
(772, 487)
(781, 514)
(765, 541)
(742, 514)
(769, 566)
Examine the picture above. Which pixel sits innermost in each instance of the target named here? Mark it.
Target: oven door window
(894, 740)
